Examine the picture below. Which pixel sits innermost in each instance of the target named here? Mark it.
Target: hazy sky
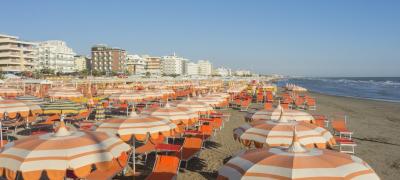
(299, 37)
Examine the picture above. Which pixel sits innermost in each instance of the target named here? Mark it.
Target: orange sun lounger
(191, 147)
(165, 167)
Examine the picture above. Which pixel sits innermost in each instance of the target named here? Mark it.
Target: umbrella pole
(1, 135)
(133, 156)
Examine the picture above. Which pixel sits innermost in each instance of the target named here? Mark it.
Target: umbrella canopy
(64, 93)
(138, 126)
(280, 133)
(110, 91)
(278, 112)
(60, 151)
(128, 96)
(100, 112)
(212, 101)
(32, 99)
(196, 106)
(296, 162)
(13, 107)
(6, 92)
(177, 115)
(62, 107)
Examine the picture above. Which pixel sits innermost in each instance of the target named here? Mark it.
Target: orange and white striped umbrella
(196, 106)
(13, 107)
(139, 126)
(60, 151)
(296, 163)
(212, 101)
(280, 133)
(7, 92)
(177, 115)
(128, 96)
(110, 91)
(64, 93)
(278, 112)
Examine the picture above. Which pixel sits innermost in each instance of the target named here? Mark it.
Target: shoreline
(353, 97)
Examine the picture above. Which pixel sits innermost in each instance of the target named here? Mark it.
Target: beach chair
(244, 105)
(268, 106)
(217, 123)
(165, 167)
(299, 103)
(149, 146)
(339, 127)
(191, 147)
(311, 104)
(206, 132)
(321, 121)
(345, 143)
(269, 97)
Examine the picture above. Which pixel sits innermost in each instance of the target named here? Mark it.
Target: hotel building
(16, 55)
(172, 65)
(107, 59)
(135, 64)
(192, 69)
(153, 64)
(80, 63)
(56, 55)
(205, 68)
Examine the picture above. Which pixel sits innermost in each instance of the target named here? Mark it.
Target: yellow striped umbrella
(12, 107)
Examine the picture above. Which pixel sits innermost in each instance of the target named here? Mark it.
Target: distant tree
(148, 74)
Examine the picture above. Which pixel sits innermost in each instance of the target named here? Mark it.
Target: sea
(376, 88)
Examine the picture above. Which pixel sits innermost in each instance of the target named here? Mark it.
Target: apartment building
(16, 55)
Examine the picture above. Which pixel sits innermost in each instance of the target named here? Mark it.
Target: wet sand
(376, 127)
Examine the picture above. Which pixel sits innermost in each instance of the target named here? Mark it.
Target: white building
(242, 73)
(192, 69)
(172, 65)
(205, 68)
(80, 63)
(56, 55)
(16, 55)
(153, 64)
(135, 64)
(221, 71)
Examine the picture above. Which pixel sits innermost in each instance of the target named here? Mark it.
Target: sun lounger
(206, 132)
(149, 146)
(165, 167)
(191, 148)
(339, 127)
(346, 145)
(268, 106)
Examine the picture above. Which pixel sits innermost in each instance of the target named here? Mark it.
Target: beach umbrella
(64, 93)
(110, 91)
(212, 101)
(10, 92)
(13, 107)
(138, 128)
(55, 153)
(196, 106)
(127, 96)
(295, 162)
(278, 112)
(100, 112)
(32, 99)
(280, 133)
(62, 107)
(177, 115)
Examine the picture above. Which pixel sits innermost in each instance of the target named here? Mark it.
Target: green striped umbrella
(62, 107)
(33, 99)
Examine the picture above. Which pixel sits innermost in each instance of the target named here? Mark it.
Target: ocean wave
(387, 89)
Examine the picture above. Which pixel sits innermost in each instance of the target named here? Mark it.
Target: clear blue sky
(307, 37)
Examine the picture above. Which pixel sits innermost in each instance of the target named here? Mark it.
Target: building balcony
(12, 69)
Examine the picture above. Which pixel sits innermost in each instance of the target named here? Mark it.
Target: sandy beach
(375, 124)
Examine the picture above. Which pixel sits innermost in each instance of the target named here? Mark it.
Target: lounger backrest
(338, 123)
(268, 106)
(192, 143)
(166, 164)
(206, 129)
